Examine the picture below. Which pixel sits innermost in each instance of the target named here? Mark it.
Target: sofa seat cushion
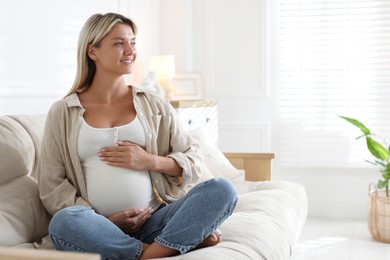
(266, 223)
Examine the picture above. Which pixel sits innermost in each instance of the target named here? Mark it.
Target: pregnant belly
(113, 189)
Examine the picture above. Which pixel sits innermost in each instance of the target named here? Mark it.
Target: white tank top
(113, 189)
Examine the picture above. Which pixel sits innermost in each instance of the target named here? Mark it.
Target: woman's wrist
(154, 164)
(166, 165)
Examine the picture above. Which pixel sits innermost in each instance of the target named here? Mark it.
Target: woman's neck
(106, 91)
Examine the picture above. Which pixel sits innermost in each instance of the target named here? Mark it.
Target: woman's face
(116, 53)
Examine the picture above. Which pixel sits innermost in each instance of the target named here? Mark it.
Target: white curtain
(333, 59)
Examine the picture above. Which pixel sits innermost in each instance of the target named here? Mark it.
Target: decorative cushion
(34, 125)
(216, 163)
(23, 218)
(17, 150)
(206, 174)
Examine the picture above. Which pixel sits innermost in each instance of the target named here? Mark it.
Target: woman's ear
(91, 52)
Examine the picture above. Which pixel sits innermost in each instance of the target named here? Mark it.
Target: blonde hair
(92, 33)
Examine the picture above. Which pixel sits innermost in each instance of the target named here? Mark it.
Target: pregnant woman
(118, 172)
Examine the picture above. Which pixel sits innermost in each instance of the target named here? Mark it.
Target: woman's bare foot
(144, 246)
(156, 250)
(212, 240)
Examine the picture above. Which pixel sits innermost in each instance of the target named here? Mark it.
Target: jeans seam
(139, 249)
(177, 247)
(67, 243)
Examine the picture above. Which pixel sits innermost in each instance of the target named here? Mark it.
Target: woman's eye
(119, 43)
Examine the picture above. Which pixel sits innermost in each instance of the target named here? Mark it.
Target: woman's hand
(127, 155)
(131, 156)
(131, 220)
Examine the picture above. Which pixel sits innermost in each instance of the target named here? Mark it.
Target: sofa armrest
(15, 253)
(257, 166)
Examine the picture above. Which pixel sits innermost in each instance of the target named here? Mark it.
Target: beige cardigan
(60, 179)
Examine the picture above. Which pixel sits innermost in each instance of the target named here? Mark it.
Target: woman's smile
(127, 61)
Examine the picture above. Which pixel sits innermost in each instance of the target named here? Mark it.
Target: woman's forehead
(122, 30)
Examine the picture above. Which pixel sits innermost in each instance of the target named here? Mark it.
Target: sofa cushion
(265, 224)
(34, 125)
(22, 216)
(17, 150)
(217, 164)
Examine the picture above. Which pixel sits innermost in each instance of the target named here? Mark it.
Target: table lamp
(163, 67)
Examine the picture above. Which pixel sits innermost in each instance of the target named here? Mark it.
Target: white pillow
(217, 164)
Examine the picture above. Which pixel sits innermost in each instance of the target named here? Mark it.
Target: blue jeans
(181, 225)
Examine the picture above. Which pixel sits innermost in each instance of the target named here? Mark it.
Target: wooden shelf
(193, 103)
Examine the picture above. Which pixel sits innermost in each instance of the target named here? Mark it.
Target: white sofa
(266, 223)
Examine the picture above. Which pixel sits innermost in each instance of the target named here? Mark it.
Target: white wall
(224, 40)
(38, 47)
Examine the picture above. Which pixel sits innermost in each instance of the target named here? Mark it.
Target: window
(333, 59)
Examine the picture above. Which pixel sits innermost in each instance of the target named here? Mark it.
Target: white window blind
(334, 59)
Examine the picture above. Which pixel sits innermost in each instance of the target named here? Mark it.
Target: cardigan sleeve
(167, 136)
(57, 184)
(185, 150)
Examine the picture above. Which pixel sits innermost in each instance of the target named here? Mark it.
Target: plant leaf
(357, 123)
(378, 164)
(381, 184)
(381, 163)
(377, 150)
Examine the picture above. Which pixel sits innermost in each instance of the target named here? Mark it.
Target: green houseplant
(379, 151)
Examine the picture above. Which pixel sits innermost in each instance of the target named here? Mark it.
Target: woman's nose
(129, 49)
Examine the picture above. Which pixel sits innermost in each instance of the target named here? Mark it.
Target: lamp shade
(163, 66)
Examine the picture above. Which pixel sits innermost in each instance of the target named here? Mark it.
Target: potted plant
(379, 151)
(379, 201)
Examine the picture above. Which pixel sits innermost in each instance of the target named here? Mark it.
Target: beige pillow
(33, 125)
(17, 152)
(23, 219)
(216, 163)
